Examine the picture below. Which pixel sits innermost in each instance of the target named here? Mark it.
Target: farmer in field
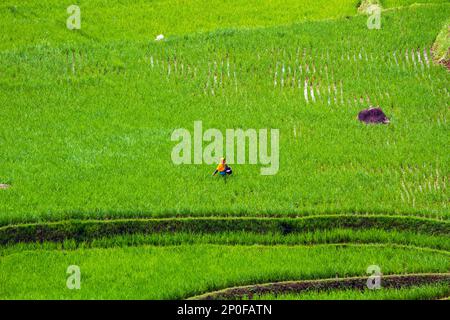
(223, 169)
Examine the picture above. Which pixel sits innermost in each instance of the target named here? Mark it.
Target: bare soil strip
(356, 283)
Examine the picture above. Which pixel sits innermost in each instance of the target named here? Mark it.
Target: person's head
(222, 161)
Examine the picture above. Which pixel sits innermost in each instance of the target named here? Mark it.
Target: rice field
(86, 121)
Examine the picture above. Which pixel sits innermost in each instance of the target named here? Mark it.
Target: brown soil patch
(445, 63)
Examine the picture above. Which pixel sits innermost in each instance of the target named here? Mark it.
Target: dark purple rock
(373, 115)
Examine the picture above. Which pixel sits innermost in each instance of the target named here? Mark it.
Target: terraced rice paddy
(413, 293)
(86, 121)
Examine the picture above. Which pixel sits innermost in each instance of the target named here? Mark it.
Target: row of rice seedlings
(218, 75)
(418, 183)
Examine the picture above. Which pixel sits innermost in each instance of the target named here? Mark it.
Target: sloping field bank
(417, 232)
(88, 157)
(180, 258)
(93, 122)
(30, 23)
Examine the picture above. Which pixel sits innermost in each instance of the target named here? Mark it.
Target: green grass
(425, 292)
(187, 270)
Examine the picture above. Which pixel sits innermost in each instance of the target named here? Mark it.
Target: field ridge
(359, 283)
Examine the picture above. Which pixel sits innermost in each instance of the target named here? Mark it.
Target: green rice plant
(400, 3)
(175, 272)
(335, 236)
(86, 121)
(92, 122)
(441, 47)
(31, 23)
(425, 292)
(314, 229)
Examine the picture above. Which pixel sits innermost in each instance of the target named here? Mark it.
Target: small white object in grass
(4, 186)
(159, 37)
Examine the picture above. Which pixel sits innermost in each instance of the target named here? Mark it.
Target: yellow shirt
(221, 167)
